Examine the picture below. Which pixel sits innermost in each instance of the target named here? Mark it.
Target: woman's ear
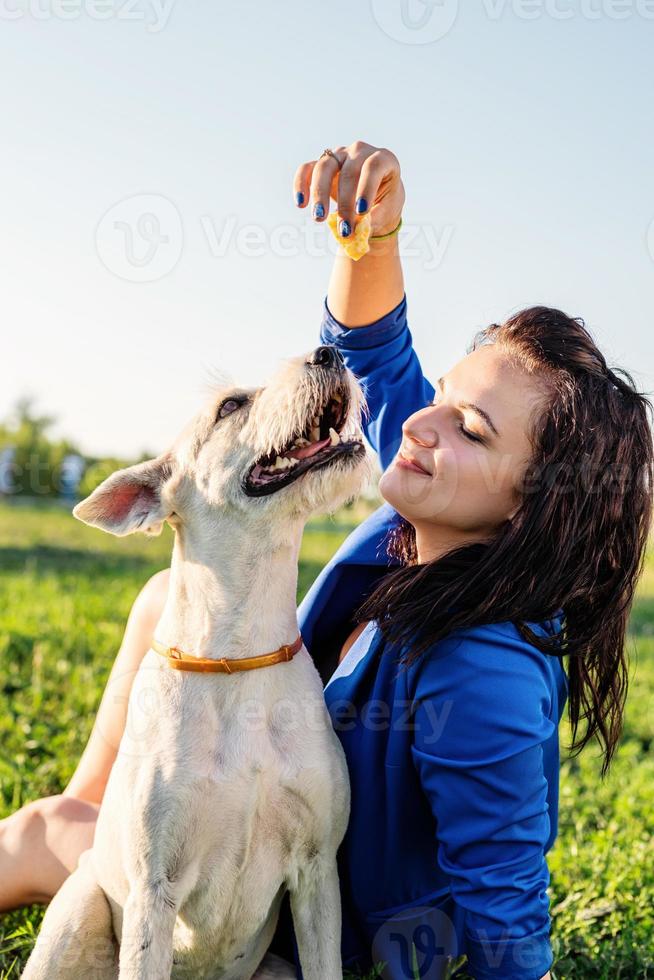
(130, 500)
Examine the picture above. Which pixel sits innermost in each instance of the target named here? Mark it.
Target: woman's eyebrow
(475, 408)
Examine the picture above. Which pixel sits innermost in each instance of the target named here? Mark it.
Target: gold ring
(330, 153)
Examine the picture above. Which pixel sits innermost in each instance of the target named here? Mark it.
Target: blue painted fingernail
(318, 210)
(299, 198)
(345, 229)
(361, 206)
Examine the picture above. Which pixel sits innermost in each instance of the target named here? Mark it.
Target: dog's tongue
(304, 451)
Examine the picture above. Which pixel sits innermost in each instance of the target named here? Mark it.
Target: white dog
(229, 787)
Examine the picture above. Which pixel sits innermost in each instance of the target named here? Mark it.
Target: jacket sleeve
(382, 357)
(481, 710)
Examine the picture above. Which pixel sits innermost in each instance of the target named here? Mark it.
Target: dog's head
(288, 449)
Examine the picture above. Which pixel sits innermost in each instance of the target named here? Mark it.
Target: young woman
(493, 585)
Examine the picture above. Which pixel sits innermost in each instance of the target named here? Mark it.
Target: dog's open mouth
(317, 445)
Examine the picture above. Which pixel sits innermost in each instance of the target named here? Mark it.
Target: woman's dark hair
(576, 543)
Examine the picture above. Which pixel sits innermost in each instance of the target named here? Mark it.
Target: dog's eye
(228, 406)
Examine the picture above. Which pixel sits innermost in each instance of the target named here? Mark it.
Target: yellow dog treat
(356, 244)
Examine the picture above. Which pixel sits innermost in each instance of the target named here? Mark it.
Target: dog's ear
(132, 499)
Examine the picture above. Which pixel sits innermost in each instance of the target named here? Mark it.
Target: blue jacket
(453, 762)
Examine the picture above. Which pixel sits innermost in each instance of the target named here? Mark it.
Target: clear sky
(148, 233)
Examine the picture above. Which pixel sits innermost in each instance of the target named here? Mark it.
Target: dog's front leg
(76, 940)
(316, 908)
(146, 948)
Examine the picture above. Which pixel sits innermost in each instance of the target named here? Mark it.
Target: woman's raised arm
(361, 179)
(365, 311)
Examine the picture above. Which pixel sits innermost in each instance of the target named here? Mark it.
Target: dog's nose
(327, 357)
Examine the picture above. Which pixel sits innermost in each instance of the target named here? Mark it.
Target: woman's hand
(368, 181)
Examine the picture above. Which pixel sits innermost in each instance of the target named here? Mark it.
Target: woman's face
(473, 447)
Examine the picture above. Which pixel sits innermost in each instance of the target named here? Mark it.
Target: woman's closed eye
(462, 429)
(470, 435)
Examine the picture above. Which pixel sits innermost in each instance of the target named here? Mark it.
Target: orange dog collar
(182, 661)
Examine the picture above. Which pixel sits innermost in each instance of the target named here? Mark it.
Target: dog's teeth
(315, 435)
(299, 443)
(337, 398)
(334, 437)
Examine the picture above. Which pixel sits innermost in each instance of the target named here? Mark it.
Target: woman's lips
(408, 465)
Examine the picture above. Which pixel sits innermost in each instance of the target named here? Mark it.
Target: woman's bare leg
(41, 843)
(90, 778)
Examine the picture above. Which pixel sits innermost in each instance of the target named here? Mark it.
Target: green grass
(65, 592)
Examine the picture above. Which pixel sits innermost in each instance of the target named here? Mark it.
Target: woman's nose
(421, 428)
